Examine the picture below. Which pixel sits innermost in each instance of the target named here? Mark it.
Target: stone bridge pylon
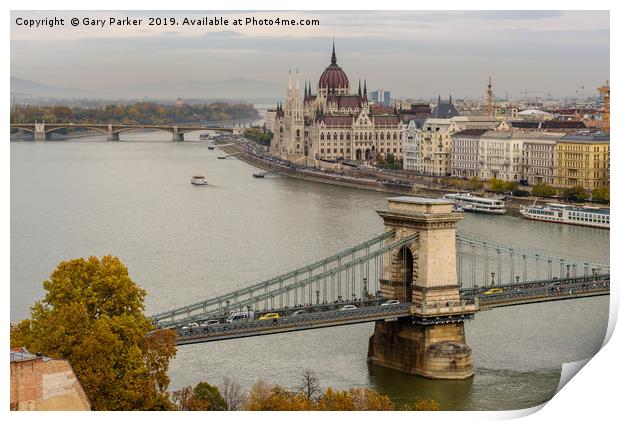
(431, 341)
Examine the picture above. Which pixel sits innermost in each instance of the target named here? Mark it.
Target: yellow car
(269, 316)
(493, 291)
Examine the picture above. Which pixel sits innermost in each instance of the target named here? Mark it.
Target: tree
(267, 398)
(600, 194)
(92, 315)
(309, 388)
(544, 190)
(498, 186)
(354, 399)
(208, 397)
(475, 183)
(575, 194)
(202, 397)
(427, 405)
(233, 395)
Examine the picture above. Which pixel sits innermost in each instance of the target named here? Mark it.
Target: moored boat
(587, 216)
(471, 203)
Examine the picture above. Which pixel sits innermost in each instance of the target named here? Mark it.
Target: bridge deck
(328, 315)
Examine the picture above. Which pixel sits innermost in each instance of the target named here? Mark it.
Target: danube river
(183, 243)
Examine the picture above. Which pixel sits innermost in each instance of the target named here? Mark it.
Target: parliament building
(334, 123)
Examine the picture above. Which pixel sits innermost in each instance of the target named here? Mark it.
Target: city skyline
(412, 54)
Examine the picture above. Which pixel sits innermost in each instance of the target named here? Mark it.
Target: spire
(439, 100)
(365, 93)
(450, 99)
(305, 90)
(334, 51)
(310, 88)
(359, 88)
(297, 80)
(290, 84)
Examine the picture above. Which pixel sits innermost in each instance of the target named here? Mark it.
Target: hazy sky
(412, 54)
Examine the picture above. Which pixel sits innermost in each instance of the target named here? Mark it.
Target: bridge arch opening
(404, 273)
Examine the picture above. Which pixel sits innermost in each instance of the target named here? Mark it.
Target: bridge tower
(430, 342)
(39, 131)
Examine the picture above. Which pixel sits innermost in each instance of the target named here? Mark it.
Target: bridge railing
(292, 286)
(488, 263)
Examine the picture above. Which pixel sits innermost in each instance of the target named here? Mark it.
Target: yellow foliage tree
(92, 315)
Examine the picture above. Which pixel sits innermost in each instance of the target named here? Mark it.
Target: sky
(413, 54)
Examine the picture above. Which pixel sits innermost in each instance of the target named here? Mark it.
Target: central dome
(333, 77)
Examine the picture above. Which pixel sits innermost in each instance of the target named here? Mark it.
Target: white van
(240, 316)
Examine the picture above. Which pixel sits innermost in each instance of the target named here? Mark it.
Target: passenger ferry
(471, 203)
(568, 214)
(199, 180)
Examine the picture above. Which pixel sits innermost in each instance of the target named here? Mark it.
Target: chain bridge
(418, 281)
(43, 131)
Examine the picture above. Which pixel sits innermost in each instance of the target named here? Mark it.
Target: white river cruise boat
(568, 214)
(471, 203)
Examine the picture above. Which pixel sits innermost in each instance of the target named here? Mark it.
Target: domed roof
(333, 76)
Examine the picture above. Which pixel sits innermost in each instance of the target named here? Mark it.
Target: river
(183, 243)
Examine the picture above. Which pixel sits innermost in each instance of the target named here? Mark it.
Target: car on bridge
(208, 323)
(298, 312)
(347, 307)
(269, 316)
(493, 291)
(390, 302)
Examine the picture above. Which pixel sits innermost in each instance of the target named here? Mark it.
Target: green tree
(575, 194)
(92, 315)
(600, 194)
(544, 190)
(498, 186)
(210, 396)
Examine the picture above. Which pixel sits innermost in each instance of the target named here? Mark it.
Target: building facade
(428, 145)
(40, 383)
(334, 123)
(583, 160)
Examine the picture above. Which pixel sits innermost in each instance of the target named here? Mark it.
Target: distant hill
(28, 88)
(234, 88)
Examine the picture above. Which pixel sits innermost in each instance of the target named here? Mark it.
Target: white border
(590, 395)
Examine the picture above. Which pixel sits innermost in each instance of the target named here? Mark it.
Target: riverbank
(379, 183)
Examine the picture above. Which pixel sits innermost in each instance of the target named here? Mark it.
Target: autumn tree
(93, 316)
(427, 405)
(263, 397)
(475, 183)
(544, 190)
(355, 399)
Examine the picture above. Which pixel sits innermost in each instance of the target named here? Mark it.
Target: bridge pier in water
(112, 136)
(40, 132)
(431, 341)
(176, 136)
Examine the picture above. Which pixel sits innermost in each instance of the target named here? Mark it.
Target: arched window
(382, 136)
(329, 136)
(388, 136)
(341, 136)
(356, 136)
(298, 132)
(322, 136)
